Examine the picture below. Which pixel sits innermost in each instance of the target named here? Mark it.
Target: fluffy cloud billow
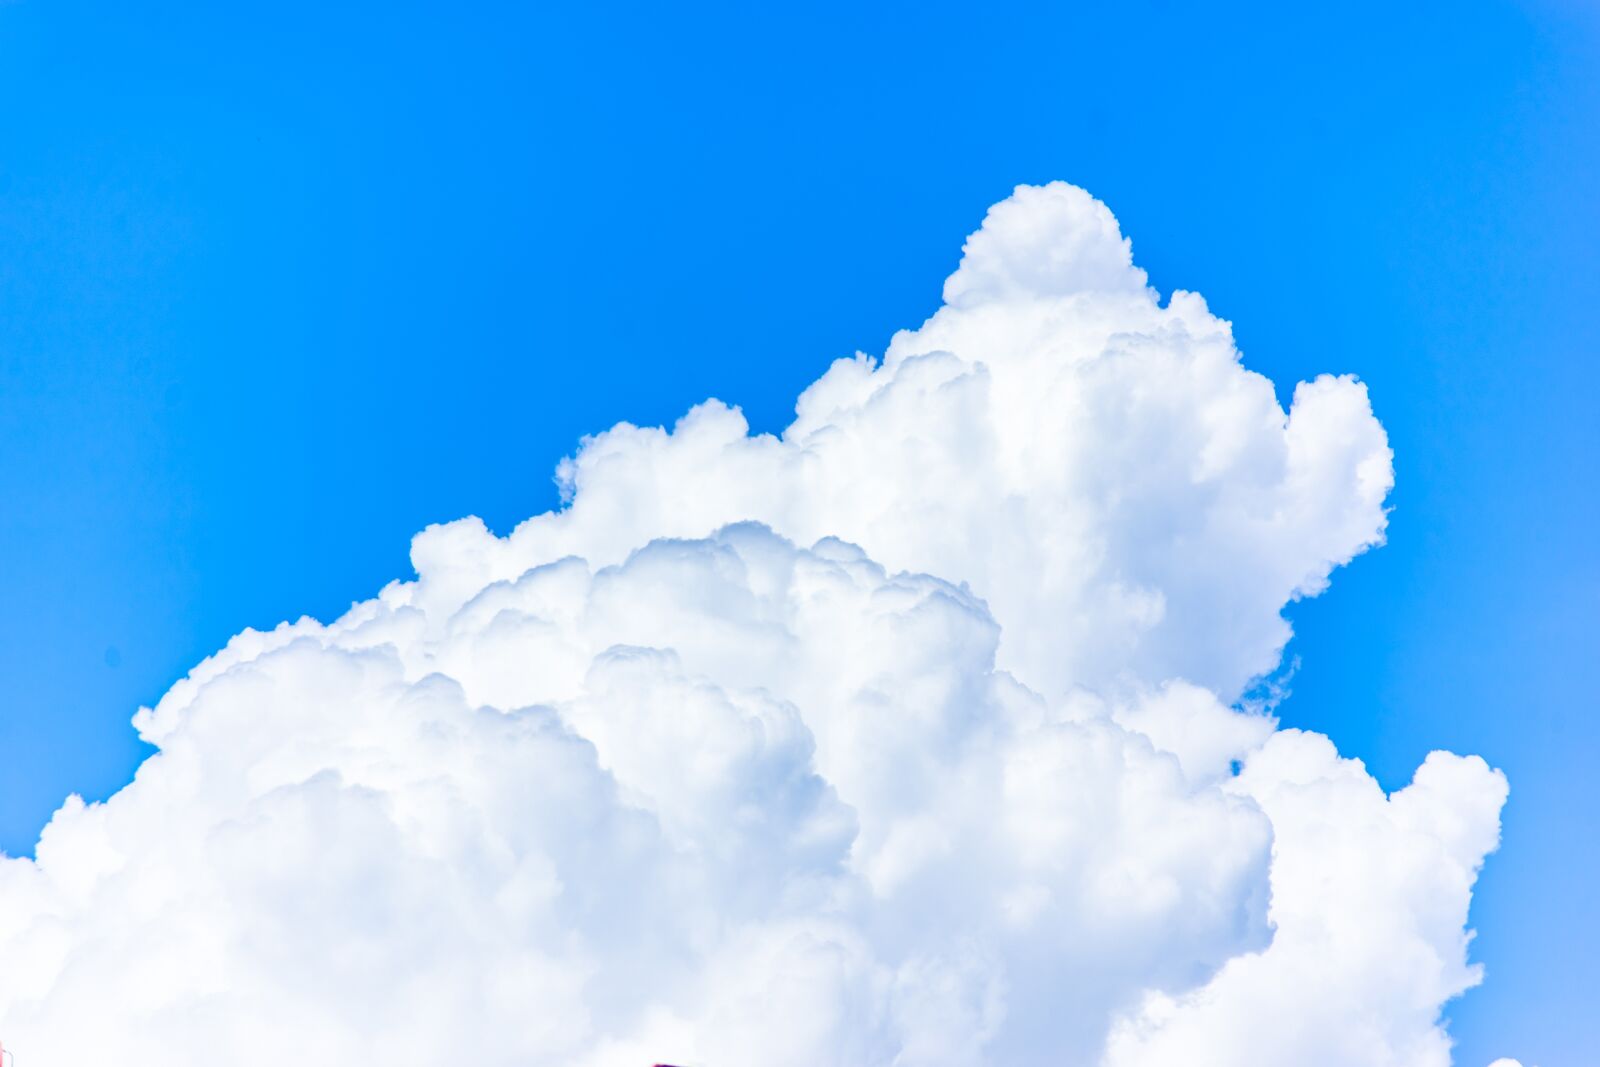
(912, 736)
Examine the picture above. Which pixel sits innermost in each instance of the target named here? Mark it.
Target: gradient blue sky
(280, 284)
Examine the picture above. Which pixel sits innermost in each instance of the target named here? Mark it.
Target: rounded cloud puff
(1124, 495)
(906, 737)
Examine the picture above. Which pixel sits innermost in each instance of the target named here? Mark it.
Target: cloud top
(1044, 242)
(1128, 499)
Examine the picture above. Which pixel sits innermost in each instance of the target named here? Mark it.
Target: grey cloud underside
(906, 737)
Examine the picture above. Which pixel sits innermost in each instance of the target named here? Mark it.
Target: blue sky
(281, 285)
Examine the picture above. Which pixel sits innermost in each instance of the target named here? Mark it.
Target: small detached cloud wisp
(914, 735)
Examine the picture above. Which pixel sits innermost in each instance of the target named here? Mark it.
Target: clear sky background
(281, 284)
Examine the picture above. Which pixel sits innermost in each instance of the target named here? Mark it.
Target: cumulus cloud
(909, 736)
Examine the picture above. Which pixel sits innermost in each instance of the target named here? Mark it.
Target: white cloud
(1369, 900)
(682, 773)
